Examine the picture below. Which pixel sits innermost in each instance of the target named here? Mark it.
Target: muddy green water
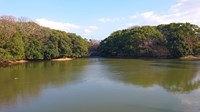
(101, 85)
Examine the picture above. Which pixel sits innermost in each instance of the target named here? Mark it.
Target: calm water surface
(101, 85)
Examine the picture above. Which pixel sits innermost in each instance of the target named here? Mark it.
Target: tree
(135, 42)
(33, 51)
(5, 55)
(93, 48)
(182, 38)
(23, 39)
(162, 41)
(64, 47)
(15, 47)
(51, 48)
(79, 46)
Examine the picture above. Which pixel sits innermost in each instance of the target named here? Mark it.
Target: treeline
(163, 41)
(23, 39)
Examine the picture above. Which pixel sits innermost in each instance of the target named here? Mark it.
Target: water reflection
(101, 85)
(28, 80)
(173, 75)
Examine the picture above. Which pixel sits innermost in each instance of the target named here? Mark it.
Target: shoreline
(190, 57)
(8, 63)
(184, 58)
(62, 59)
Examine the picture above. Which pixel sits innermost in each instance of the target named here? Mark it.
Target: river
(101, 85)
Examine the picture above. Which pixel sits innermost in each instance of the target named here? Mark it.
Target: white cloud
(182, 11)
(57, 25)
(87, 31)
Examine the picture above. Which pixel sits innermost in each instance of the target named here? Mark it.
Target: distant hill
(22, 39)
(163, 41)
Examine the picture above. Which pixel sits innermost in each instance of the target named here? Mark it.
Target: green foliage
(181, 38)
(64, 47)
(172, 40)
(28, 40)
(134, 42)
(79, 45)
(197, 50)
(51, 48)
(33, 50)
(15, 47)
(5, 55)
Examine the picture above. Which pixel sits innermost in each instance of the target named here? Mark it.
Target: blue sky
(96, 19)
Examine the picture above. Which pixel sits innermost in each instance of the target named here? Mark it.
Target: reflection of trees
(27, 80)
(182, 87)
(174, 76)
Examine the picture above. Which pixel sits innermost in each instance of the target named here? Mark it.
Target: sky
(97, 19)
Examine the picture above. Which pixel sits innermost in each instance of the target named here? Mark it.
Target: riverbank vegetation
(163, 41)
(25, 40)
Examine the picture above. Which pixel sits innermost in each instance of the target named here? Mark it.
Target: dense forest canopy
(23, 39)
(163, 41)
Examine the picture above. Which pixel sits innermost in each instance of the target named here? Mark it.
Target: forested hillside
(163, 41)
(22, 39)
